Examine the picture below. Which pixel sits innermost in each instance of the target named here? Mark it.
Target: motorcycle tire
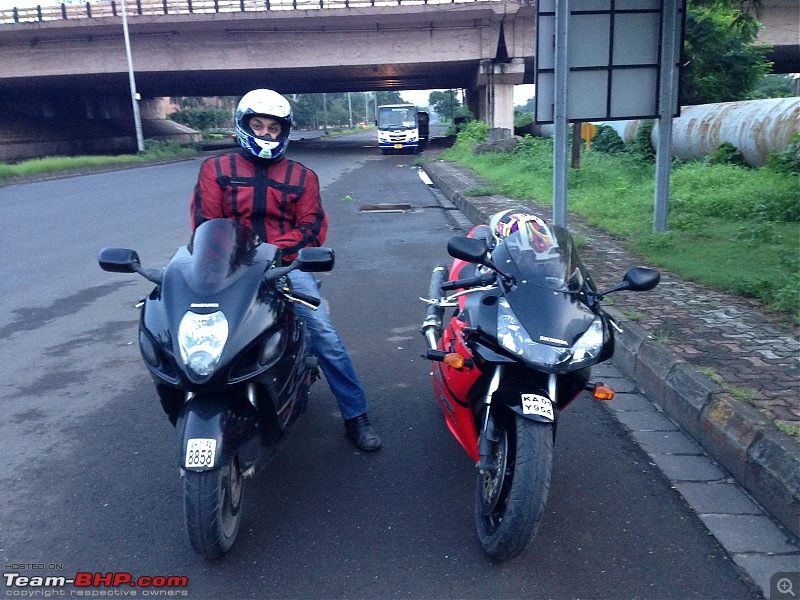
(510, 499)
(212, 503)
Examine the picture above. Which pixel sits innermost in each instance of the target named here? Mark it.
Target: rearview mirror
(641, 279)
(118, 260)
(637, 279)
(466, 248)
(315, 260)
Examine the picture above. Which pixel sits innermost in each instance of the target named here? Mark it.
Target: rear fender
(213, 428)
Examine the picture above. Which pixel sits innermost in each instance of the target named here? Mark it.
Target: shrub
(470, 134)
(788, 161)
(726, 154)
(641, 146)
(607, 140)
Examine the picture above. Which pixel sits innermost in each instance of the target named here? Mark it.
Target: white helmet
(268, 104)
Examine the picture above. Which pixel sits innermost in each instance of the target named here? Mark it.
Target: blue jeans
(324, 342)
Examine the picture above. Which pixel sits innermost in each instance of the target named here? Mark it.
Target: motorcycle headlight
(201, 339)
(589, 345)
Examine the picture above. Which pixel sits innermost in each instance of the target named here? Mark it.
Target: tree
(389, 98)
(311, 111)
(445, 104)
(722, 61)
(528, 107)
(202, 119)
(774, 86)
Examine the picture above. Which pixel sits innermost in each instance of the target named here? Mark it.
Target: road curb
(764, 460)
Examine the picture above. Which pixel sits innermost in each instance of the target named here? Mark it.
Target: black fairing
(221, 269)
(549, 298)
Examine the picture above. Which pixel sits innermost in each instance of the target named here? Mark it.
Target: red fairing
(452, 387)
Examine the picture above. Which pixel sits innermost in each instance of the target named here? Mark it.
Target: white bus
(401, 127)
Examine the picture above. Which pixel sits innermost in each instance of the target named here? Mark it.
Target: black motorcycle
(228, 358)
(526, 328)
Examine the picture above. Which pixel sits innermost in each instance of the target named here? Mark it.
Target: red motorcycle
(526, 329)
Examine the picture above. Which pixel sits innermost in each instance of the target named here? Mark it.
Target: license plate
(534, 404)
(200, 453)
(398, 146)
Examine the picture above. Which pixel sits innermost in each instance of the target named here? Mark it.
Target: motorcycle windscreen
(551, 281)
(544, 258)
(220, 252)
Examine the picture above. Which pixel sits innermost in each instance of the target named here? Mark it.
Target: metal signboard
(614, 59)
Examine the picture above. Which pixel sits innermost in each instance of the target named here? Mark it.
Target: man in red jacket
(280, 200)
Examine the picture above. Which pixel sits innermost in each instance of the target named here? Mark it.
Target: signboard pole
(560, 120)
(666, 103)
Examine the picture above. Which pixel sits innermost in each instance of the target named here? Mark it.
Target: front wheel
(212, 503)
(510, 496)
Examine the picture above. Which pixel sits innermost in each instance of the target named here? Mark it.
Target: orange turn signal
(454, 359)
(603, 392)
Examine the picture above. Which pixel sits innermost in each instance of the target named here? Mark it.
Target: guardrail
(100, 9)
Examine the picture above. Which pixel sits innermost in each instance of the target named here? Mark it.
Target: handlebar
(469, 282)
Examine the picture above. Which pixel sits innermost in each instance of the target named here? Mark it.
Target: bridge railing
(133, 8)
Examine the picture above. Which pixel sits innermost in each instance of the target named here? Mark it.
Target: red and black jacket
(280, 202)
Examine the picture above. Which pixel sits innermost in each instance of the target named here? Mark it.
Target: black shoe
(361, 433)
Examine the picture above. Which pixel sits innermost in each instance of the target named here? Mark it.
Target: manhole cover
(385, 208)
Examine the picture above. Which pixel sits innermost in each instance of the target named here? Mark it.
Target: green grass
(153, 150)
(731, 227)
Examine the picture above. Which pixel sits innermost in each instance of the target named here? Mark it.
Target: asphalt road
(89, 473)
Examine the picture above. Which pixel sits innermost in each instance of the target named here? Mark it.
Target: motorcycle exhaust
(432, 325)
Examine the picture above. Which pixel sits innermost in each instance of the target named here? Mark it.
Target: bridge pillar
(491, 98)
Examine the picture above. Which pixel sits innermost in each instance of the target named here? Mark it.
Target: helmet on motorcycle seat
(265, 103)
(529, 231)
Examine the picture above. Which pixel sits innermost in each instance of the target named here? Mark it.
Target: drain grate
(393, 208)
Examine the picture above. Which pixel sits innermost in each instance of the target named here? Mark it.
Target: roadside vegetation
(730, 226)
(153, 150)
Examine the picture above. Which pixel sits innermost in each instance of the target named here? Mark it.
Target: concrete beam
(403, 47)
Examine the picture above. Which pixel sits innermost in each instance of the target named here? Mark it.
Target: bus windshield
(395, 118)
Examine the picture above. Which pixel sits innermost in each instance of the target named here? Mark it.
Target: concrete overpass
(69, 60)
(482, 46)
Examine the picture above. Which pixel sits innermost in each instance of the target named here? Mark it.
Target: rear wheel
(212, 502)
(510, 496)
